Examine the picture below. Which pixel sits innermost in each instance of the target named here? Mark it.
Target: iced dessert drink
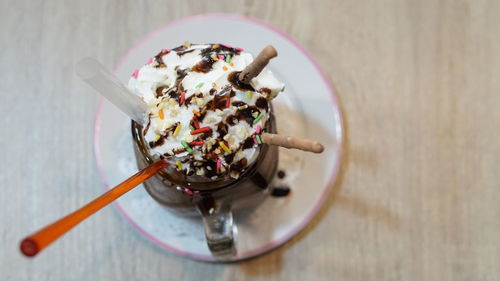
(200, 115)
(208, 125)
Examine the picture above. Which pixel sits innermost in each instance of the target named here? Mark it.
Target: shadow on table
(270, 264)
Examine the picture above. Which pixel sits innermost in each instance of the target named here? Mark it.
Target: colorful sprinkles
(219, 164)
(258, 139)
(135, 73)
(200, 130)
(200, 85)
(196, 123)
(177, 130)
(179, 165)
(224, 147)
(161, 114)
(249, 94)
(228, 58)
(258, 118)
(186, 146)
(183, 98)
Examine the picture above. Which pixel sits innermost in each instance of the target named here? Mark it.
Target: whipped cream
(200, 115)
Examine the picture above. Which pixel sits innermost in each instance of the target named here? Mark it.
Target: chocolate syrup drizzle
(233, 79)
(159, 59)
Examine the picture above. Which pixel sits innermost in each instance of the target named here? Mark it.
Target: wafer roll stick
(292, 142)
(253, 69)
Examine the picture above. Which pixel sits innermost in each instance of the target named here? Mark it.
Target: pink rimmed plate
(307, 108)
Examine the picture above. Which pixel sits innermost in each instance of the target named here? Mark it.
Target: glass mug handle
(219, 228)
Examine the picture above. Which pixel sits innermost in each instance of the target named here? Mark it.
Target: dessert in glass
(208, 124)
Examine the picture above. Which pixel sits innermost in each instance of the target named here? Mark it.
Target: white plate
(307, 108)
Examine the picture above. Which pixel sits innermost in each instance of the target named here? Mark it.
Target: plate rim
(340, 138)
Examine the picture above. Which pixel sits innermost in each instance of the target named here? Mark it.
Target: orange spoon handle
(33, 244)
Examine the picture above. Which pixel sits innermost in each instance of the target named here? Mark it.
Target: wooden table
(418, 196)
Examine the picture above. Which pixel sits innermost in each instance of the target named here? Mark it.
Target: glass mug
(214, 200)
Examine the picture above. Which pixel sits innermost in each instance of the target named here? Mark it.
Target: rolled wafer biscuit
(292, 142)
(253, 69)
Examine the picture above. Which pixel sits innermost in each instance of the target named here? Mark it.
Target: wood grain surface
(418, 197)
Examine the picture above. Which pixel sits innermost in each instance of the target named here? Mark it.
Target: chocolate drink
(207, 123)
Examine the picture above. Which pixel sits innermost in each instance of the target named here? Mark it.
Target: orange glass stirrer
(33, 244)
